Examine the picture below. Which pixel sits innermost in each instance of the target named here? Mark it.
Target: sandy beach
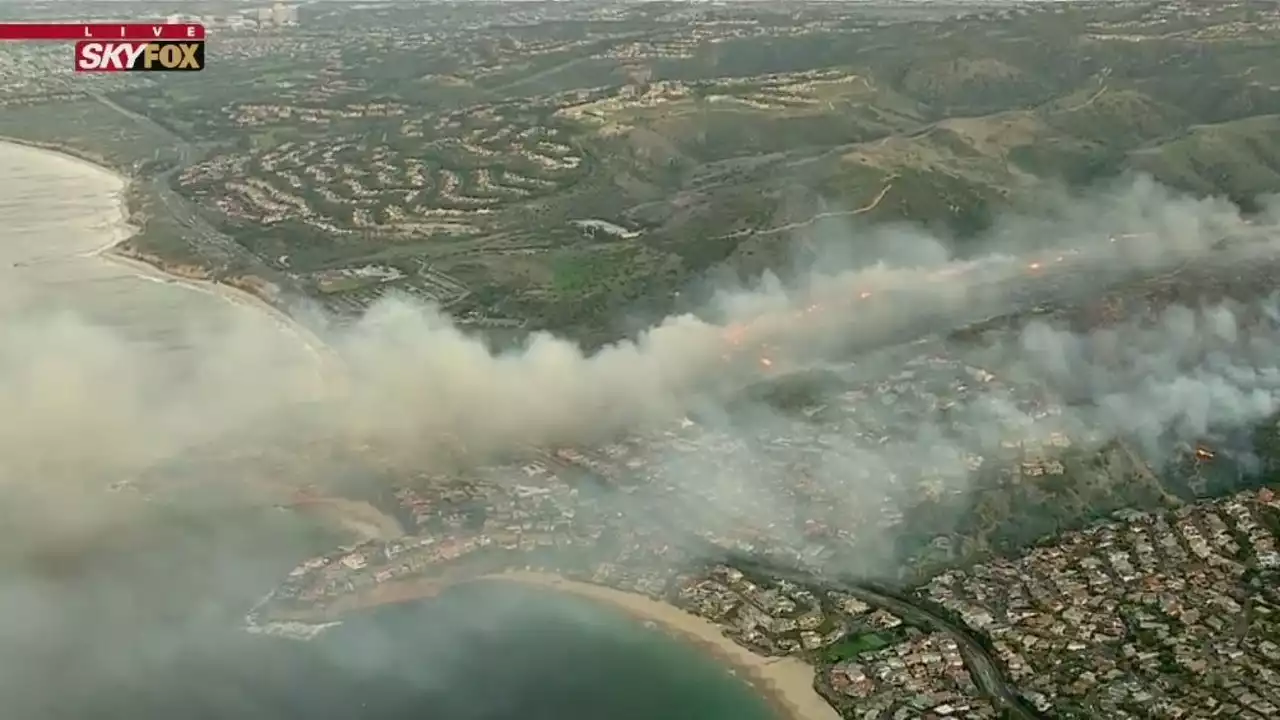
(147, 268)
(64, 254)
(787, 682)
(114, 253)
(82, 157)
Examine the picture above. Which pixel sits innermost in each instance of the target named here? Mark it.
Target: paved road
(986, 673)
(215, 243)
(984, 669)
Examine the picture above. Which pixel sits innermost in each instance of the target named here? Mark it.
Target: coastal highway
(213, 242)
(986, 673)
(985, 670)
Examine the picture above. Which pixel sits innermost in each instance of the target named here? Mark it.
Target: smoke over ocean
(867, 328)
(87, 406)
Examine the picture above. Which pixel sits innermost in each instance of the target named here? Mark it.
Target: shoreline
(786, 683)
(126, 226)
(80, 156)
(140, 266)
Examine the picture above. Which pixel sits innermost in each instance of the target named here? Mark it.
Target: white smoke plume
(85, 404)
(87, 407)
(414, 378)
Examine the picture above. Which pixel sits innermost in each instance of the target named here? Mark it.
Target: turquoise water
(131, 614)
(495, 651)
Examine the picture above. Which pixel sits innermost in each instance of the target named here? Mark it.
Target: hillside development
(1063, 508)
(557, 166)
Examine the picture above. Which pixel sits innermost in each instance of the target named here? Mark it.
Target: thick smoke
(88, 408)
(922, 419)
(415, 379)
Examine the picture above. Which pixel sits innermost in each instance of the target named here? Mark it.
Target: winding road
(984, 669)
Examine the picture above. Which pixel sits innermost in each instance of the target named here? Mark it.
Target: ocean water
(484, 652)
(530, 653)
(56, 213)
(134, 616)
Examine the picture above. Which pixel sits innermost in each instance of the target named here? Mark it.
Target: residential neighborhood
(1116, 617)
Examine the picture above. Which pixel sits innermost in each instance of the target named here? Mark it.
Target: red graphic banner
(101, 31)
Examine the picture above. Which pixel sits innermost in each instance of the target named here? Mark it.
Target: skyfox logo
(94, 56)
